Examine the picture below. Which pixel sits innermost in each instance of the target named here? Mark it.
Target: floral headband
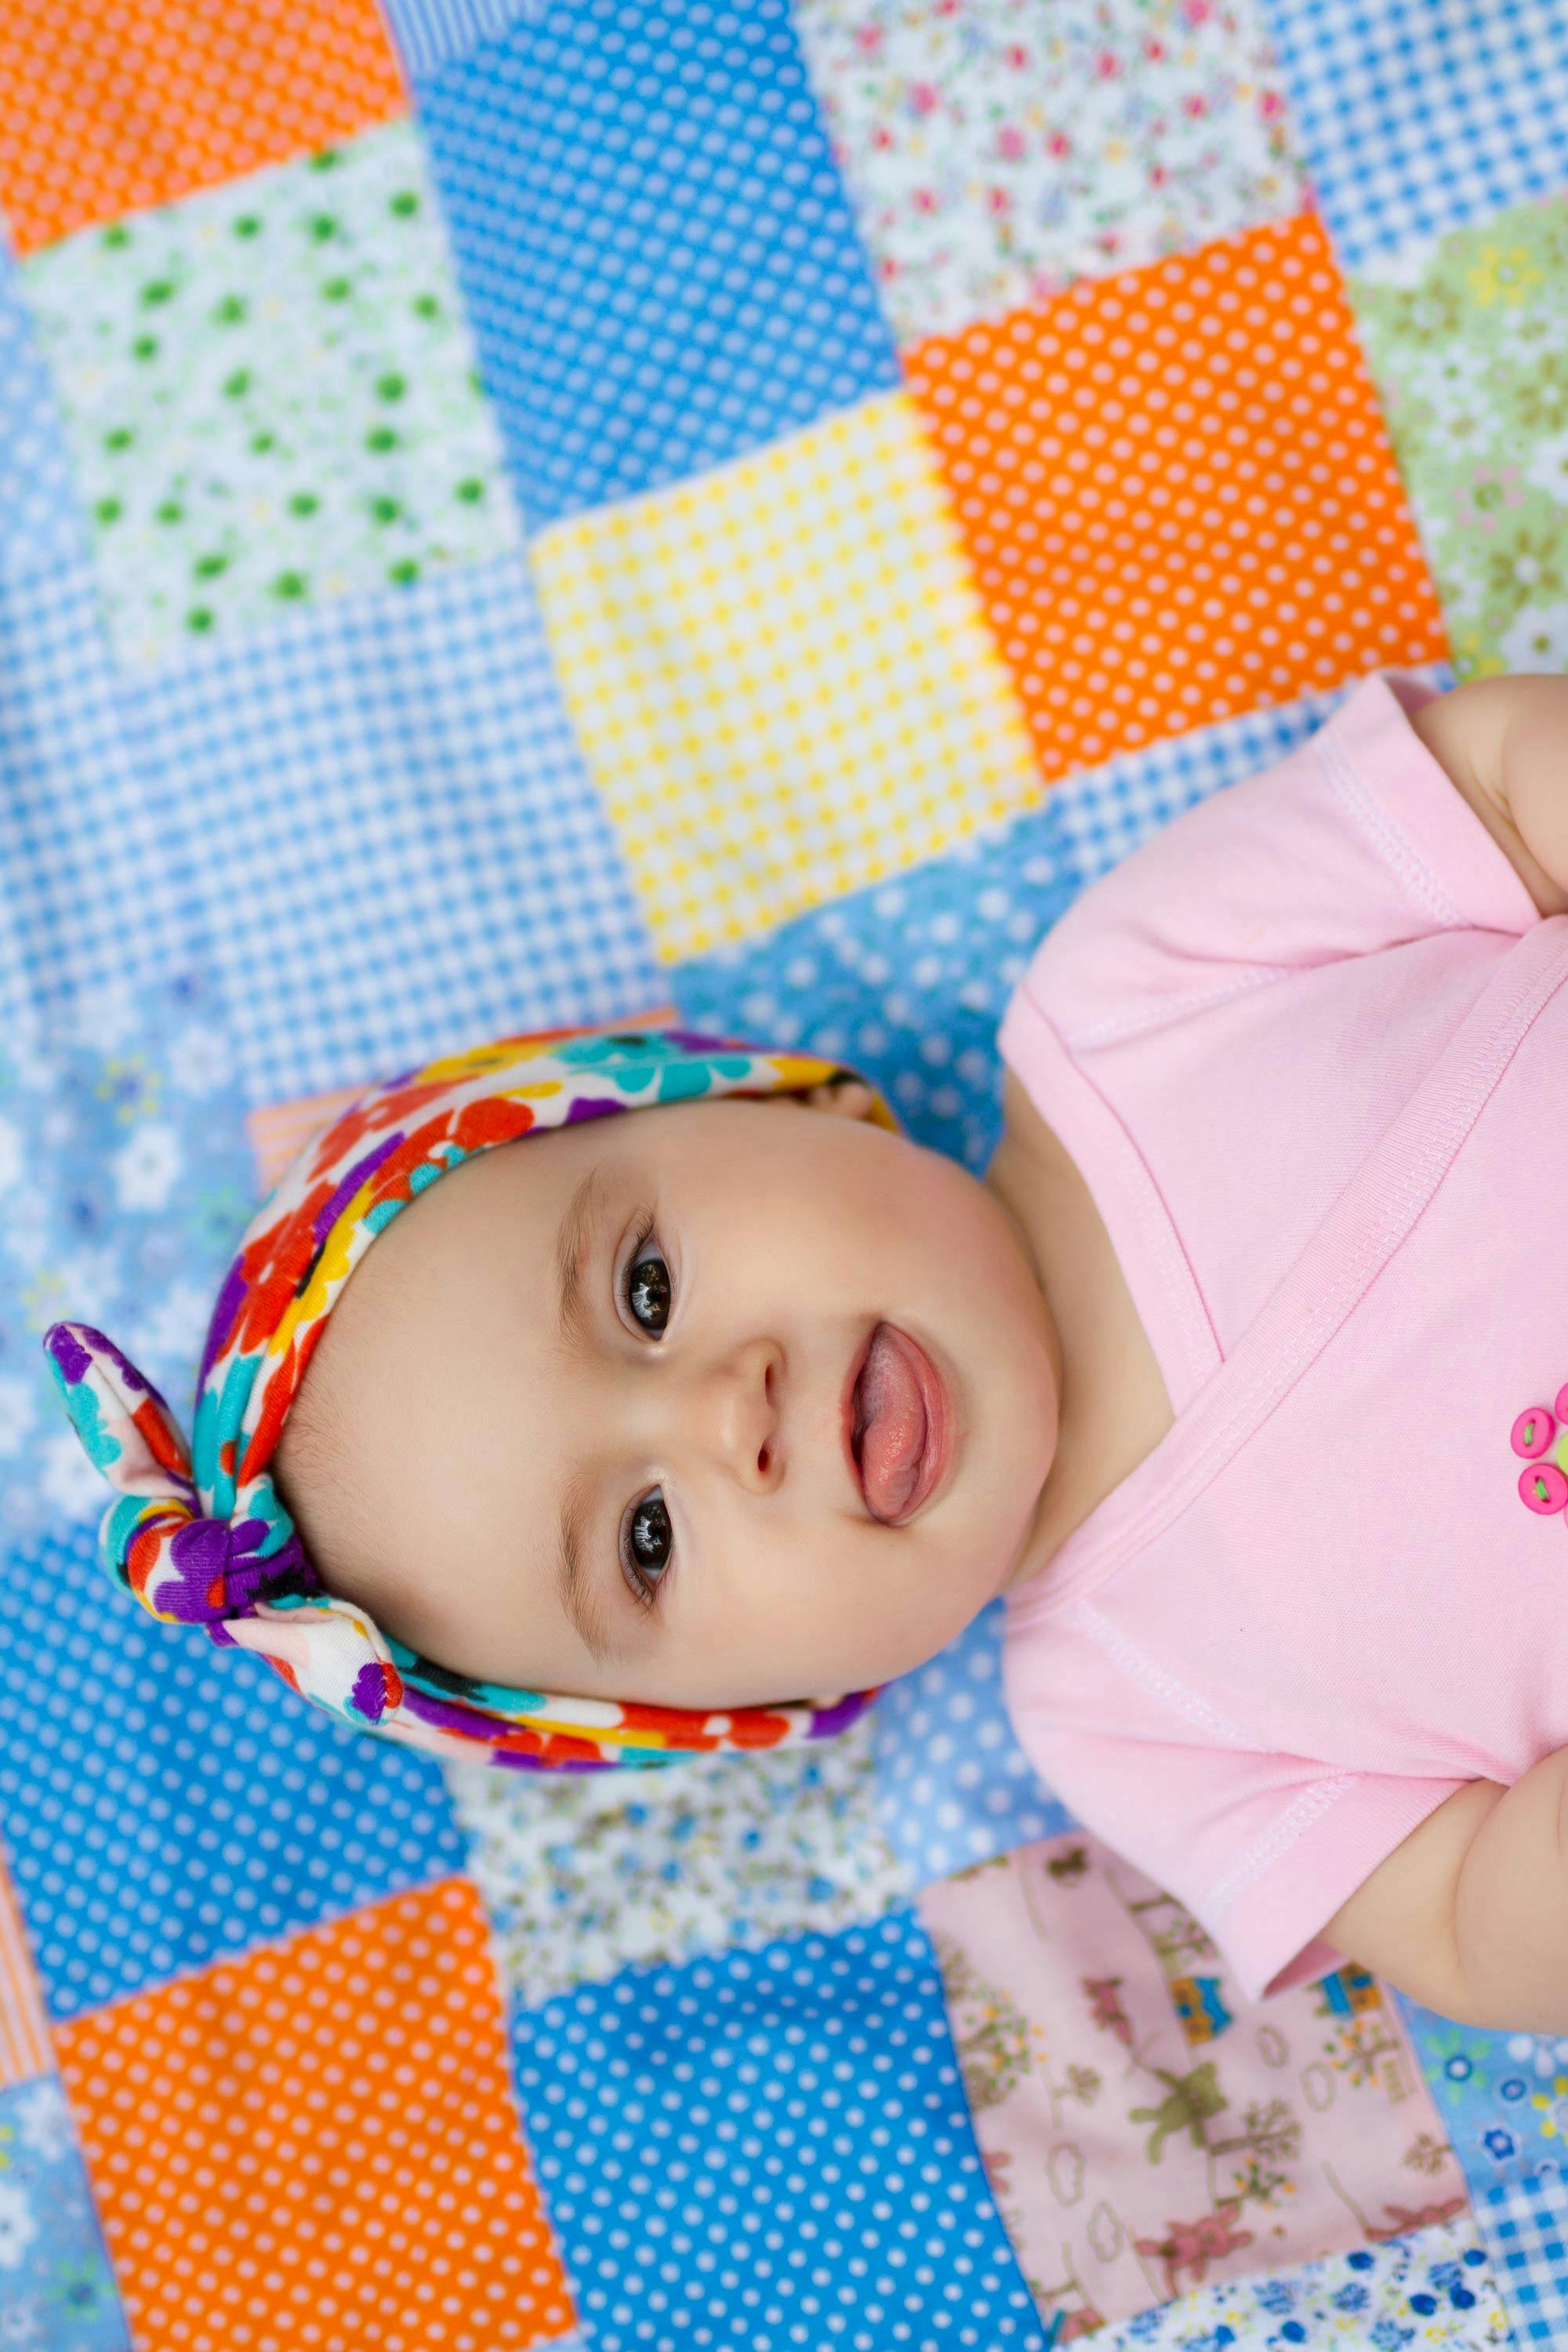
(199, 1533)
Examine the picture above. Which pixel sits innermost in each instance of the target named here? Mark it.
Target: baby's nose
(737, 1413)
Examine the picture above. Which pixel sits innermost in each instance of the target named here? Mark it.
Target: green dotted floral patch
(1467, 336)
(272, 396)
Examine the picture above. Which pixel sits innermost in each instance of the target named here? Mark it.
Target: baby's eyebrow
(576, 1228)
(577, 1596)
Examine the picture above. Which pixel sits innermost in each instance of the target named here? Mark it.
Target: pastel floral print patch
(1467, 336)
(996, 149)
(271, 397)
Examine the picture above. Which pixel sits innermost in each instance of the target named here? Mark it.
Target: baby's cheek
(920, 1595)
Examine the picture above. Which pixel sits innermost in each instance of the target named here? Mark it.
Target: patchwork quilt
(517, 512)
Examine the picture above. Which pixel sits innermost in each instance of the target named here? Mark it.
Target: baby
(700, 1415)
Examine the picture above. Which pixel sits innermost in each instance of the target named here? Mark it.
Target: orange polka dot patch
(314, 2148)
(1178, 496)
(115, 105)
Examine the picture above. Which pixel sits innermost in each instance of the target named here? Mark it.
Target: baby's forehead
(527, 1203)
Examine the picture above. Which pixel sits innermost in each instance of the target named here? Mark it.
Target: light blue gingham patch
(381, 811)
(1524, 2226)
(1419, 114)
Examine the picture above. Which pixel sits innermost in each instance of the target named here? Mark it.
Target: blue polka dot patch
(953, 1786)
(166, 1804)
(770, 2150)
(657, 250)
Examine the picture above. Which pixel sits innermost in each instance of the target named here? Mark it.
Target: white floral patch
(584, 1876)
(271, 397)
(201, 1061)
(40, 2114)
(1452, 380)
(1344, 2301)
(66, 1479)
(18, 2224)
(1548, 468)
(177, 1325)
(18, 1415)
(144, 1171)
(997, 150)
(1537, 639)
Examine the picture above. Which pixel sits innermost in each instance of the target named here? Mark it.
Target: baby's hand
(1468, 1915)
(1504, 741)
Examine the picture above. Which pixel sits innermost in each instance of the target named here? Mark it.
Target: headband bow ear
(240, 1578)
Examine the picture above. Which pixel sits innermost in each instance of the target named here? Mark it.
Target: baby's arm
(1470, 1914)
(1504, 741)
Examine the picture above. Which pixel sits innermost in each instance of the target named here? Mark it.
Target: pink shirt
(1308, 1047)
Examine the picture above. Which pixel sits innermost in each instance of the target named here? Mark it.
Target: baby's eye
(650, 1545)
(647, 1289)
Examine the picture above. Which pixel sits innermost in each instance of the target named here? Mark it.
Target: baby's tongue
(893, 1436)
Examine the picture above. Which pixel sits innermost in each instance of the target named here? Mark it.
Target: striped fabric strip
(279, 1130)
(24, 2046)
(431, 33)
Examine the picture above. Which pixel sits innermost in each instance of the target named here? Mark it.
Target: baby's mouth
(898, 1421)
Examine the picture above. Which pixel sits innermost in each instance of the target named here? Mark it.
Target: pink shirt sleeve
(1357, 842)
(1261, 1849)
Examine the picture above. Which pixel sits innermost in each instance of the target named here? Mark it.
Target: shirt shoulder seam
(1395, 852)
(1140, 1667)
(1388, 838)
(1175, 1004)
(1284, 1831)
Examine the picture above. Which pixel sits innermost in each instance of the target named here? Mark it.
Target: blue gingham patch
(41, 522)
(1524, 2227)
(382, 811)
(87, 896)
(1417, 115)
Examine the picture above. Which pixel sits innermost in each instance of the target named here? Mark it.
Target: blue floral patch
(1432, 2287)
(1503, 2096)
(125, 1178)
(57, 2289)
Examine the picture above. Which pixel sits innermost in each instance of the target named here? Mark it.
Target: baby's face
(593, 1419)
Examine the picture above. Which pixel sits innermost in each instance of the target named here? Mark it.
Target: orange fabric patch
(1178, 494)
(314, 2148)
(115, 105)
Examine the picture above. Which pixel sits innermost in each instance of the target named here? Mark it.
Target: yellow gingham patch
(782, 677)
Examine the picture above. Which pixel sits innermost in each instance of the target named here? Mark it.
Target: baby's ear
(846, 1097)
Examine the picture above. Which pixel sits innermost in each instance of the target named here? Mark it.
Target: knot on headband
(186, 1569)
(200, 1535)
